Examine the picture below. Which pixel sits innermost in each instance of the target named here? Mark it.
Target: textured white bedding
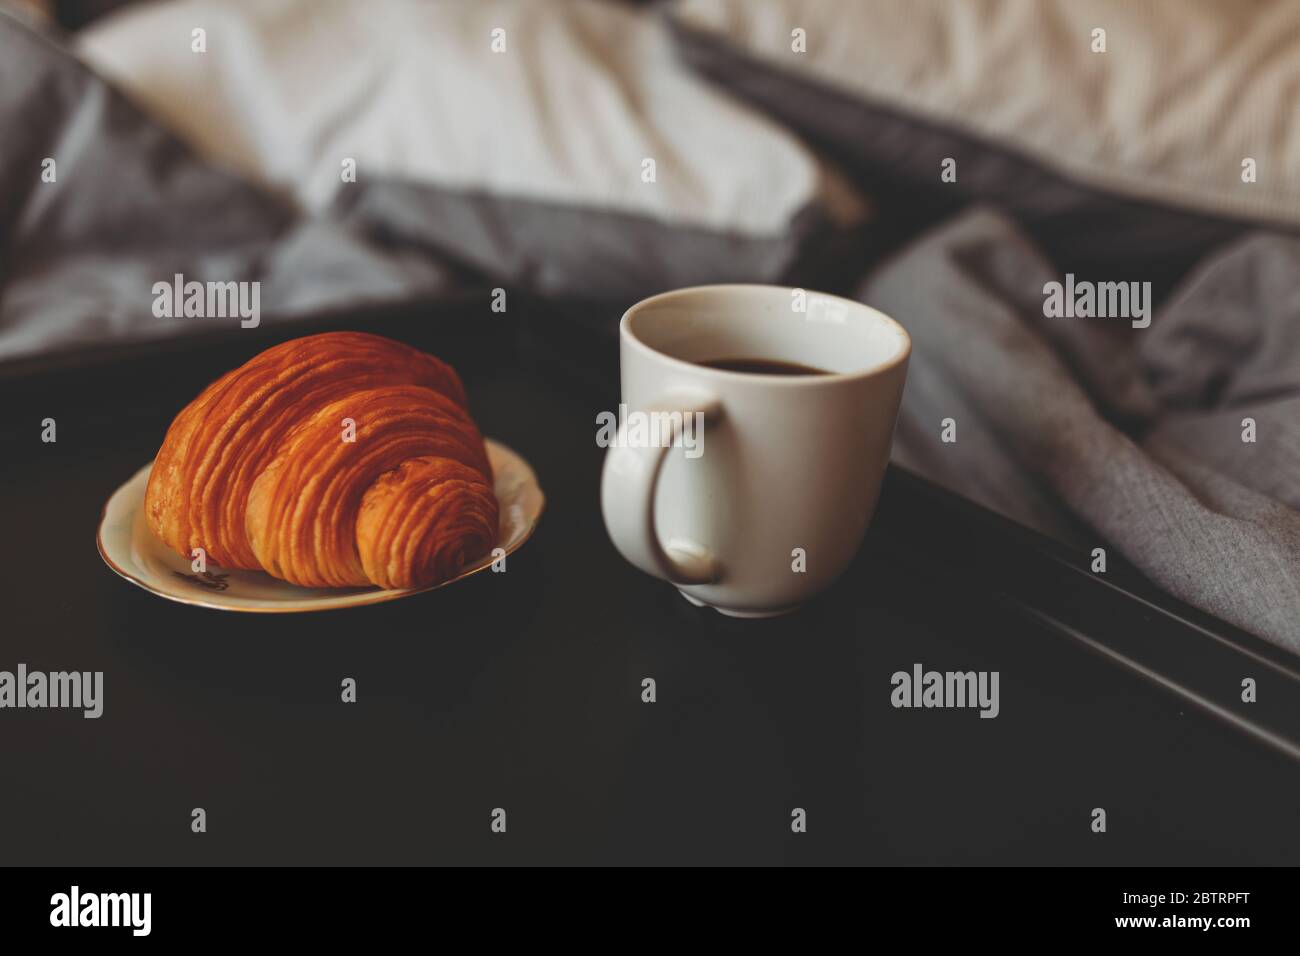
(1184, 92)
(583, 93)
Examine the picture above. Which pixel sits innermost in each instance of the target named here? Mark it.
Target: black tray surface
(522, 690)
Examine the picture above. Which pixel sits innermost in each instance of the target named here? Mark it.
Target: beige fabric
(1185, 90)
(36, 12)
(412, 89)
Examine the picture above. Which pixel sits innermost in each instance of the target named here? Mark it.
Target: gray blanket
(125, 206)
(1109, 435)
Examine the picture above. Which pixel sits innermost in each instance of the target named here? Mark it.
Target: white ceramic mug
(769, 504)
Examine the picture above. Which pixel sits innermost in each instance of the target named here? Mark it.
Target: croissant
(259, 472)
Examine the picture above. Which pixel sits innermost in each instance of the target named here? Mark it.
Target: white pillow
(412, 90)
(1185, 91)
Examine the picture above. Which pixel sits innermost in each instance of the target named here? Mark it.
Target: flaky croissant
(258, 470)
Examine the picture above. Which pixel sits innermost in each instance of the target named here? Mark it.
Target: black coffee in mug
(758, 366)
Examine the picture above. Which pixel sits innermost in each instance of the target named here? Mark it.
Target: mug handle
(627, 498)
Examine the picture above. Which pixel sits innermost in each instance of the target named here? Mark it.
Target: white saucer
(128, 547)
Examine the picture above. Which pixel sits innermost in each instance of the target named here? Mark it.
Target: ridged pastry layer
(220, 442)
(257, 471)
(302, 512)
(424, 522)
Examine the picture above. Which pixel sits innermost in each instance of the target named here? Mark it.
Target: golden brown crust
(257, 472)
(424, 521)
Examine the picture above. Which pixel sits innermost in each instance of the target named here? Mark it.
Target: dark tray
(523, 690)
(1118, 614)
